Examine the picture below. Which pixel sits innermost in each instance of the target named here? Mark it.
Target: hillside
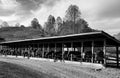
(20, 33)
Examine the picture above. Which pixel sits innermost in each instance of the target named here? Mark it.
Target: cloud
(11, 18)
(9, 4)
(8, 7)
(100, 14)
(44, 10)
(109, 10)
(21, 9)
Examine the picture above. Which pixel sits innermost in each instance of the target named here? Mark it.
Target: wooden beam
(69, 41)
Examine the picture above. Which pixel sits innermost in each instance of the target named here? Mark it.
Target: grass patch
(9, 70)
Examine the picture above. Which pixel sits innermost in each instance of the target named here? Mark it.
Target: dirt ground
(47, 69)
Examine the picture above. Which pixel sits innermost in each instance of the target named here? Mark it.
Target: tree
(73, 14)
(51, 19)
(49, 25)
(17, 25)
(58, 24)
(35, 24)
(4, 24)
(22, 26)
(82, 27)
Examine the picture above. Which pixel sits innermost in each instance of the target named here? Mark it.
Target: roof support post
(55, 48)
(62, 51)
(82, 48)
(92, 51)
(104, 50)
(54, 52)
(43, 49)
(36, 54)
(71, 56)
(117, 55)
(48, 48)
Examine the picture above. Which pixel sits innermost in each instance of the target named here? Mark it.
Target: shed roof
(81, 35)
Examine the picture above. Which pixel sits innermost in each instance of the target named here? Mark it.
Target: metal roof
(65, 36)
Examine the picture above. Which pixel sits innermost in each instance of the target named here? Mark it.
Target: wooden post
(48, 48)
(63, 51)
(36, 54)
(55, 51)
(117, 55)
(92, 51)
(43, 51)
(72, 51)
(82, 51)
(104, 50)
(55, 47)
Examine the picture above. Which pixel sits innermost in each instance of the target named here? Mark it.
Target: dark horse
(76, 55)
(88, 56)
(100, 57)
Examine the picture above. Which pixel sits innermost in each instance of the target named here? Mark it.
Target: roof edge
(42, 38)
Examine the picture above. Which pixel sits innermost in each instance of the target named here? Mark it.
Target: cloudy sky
(100, 14)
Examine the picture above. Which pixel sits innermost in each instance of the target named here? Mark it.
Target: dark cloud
(28, 5)
(25, 8)
(32, 5)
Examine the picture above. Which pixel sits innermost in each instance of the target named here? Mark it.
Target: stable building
(85, 46)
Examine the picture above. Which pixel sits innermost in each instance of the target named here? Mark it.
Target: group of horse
(88, 56)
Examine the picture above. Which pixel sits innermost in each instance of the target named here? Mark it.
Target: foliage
(4, 24)
(17, 25)
(22, 26)
(20, 33)
(49, 25)
(58, 24)
(73, 13)
(35, 24)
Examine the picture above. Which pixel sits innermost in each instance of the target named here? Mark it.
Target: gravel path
(63, 70)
